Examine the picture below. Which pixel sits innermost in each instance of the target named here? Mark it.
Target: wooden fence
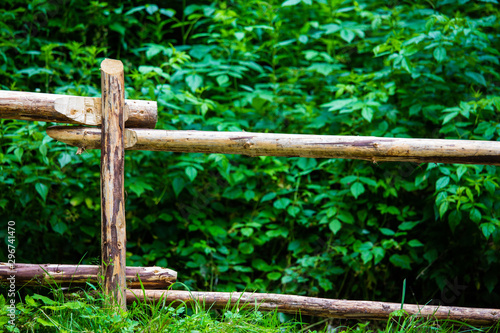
(127, 124)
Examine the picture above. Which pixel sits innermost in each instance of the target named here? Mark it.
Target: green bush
(334, 228)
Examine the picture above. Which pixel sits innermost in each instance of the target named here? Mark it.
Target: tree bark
(372, 149)
(113, 233)
(77, 275)
(71, 109)
(321, 307)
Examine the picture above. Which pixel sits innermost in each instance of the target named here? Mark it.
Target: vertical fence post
(113, 236)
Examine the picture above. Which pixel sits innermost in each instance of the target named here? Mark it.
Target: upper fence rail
(71, 109)
(367, 148)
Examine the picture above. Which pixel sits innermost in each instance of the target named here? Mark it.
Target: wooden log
(113, 234)
(321, 307)
(71, 109)
(77, 275)
(367, 148)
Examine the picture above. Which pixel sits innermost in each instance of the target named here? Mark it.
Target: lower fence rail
(313, 306)
(77, 275)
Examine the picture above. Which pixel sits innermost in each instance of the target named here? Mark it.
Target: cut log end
(112, 66)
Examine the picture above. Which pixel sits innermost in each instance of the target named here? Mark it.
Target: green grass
(86, 311)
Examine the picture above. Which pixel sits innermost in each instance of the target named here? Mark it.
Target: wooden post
(113, 241)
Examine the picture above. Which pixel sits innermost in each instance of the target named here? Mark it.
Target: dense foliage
(334, 228)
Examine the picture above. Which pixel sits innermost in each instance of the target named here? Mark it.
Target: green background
(318, 227)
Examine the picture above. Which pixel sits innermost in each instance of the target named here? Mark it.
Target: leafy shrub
(335, 228)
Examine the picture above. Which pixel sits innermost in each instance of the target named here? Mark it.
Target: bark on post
(113, 242)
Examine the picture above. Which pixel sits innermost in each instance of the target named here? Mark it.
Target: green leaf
(18, 153)
(293, 210)
(43, 150)
(378, 253)
(346, 217)
(64, 159)
(450, 116)
(222, 80)
(440, 53)
(387, 232)
(461, 170)
(247, 232)
(307, 163)
(178, 184)
(268, 196)
(281, 203)
(488, 229)
(362, 247)
(490, 281)
(454, 219)
(407, 225)
(476, 77)
(290, 3)
(366, 256)
(194, 81)
(42, 189)
(415, 243)
(274, 276)
(348, 179)
(347, 35)
(339, 104)
(115, 26)
(217, 231)
(402, 261)
(29, 301)
(357, 189)
(151, 9)
(246, 248)
(75, 305)
(335, 226)
(60, 227)
(249, 195)
(475, 215)
(138, 186)
(443, 208)
(442, 182)
(191, 172)
(44, 322)
(232, 192)
(367, 113)
(167, 12)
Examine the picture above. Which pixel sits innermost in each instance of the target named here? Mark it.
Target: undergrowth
(89, 310)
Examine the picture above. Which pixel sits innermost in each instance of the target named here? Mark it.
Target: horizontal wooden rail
(321, 307)
(65, 275)
(71, 109)
(373, 149)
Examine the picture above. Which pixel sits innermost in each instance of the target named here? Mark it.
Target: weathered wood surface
(113, 226)
(71, 109)
(321, 307)
(372, 149)
(74, 275)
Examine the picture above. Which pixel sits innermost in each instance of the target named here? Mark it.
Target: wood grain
(78, 275)
(373, 149)
(313, 306)
(113, 227)
(71, 109)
